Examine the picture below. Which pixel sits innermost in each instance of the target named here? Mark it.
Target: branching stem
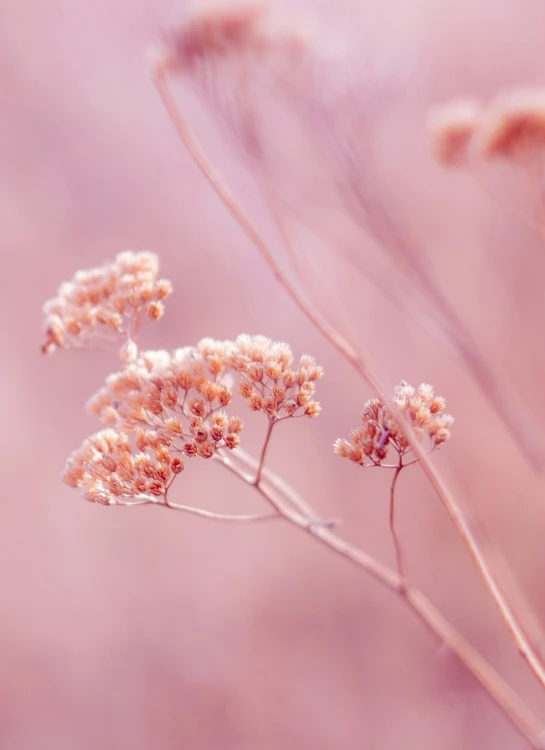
(287, 502)
(208, 514)
(361, 365)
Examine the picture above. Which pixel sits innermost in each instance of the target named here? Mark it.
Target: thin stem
(274, 480)
(208, 514)
(216, 182)
(262, 457)
(505, 697)
(397, 543)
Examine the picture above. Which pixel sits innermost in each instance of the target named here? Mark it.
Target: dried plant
(106, 304)
(381, 432)
(165, 408)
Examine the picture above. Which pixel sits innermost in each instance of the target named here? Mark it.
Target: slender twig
(397, 543)
(270, 425)
(215, 180)
(209, 514)
(251, 463)
(363, 368)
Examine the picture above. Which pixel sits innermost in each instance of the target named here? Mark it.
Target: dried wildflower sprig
(181, 394)
(267, 381)
(151, 406)
(112, 470)
(107, 304)
(162, 408)
(381, 431)
(170, 406)
(109, 466)
(361, 362)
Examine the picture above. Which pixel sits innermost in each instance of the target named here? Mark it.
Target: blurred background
(131, 629)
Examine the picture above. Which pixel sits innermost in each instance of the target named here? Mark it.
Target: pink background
(140, 628)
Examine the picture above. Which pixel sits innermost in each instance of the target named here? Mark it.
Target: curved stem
(232, 205)
(363, 368)
(270, 425)
(397, 543)
(208, 514)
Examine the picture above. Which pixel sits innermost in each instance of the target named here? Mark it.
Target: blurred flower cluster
(512, 127)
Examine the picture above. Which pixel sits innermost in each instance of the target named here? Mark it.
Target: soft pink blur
(130, 629)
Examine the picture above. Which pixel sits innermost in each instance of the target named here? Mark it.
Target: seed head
(102, 305)
(380, 430)
(268, 384)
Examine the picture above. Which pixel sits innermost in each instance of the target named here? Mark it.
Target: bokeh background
(131, 629)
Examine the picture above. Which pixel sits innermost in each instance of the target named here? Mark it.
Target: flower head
(269, 382)
(106, 304)
(166, 406)
(182, 393)
(160, 409)
(110, 466)
(423, 410)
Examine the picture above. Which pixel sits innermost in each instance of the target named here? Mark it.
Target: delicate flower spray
(164, 408)
(166, 411)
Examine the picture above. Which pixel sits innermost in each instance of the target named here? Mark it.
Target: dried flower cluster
(108, 467)
(267, 381)
(424, 412)
(165, 407)
(102, 305)
(510, 127)
(160, 409)
(217, 29)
